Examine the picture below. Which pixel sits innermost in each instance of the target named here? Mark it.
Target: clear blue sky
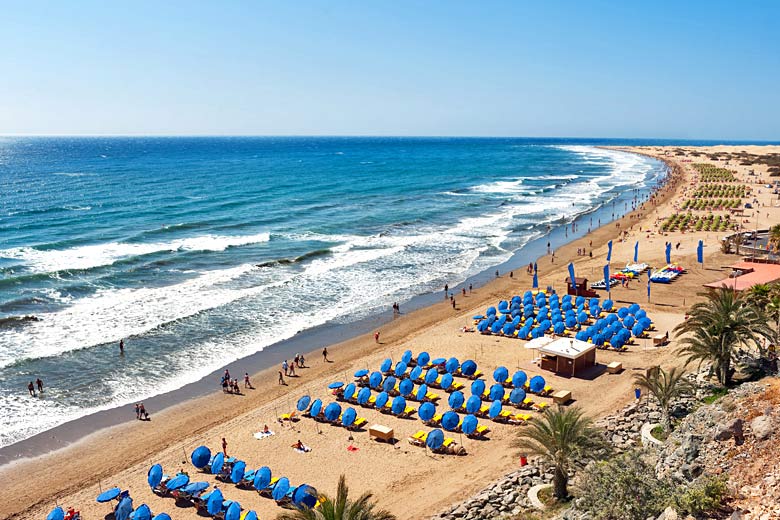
(706, 69)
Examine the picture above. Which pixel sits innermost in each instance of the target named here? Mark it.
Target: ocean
(201, 251)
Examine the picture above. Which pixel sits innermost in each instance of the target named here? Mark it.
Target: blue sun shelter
(386, 365)
(422, 391)
(303, 403)
(304, 497)
(381, 400)
(316, 408)
(435, 439)
(237, 473)
(400, 369)
(332, 412)
(426, 411)
(517, 396)
(375, 380)
(349, 391)
(496, 392)
(217, 463)
(281, 488)
(473, 404)
(154, 477)
(456, 400)
(177, 482)
(450, 421)
(469, 425)
(56, 514)
(406, 357)
(348, 417)
(478, 387)
(398, 406)
(423, 358)
(142, 513)
(233, 511)
(406, 387)
(124, 509)
(200, 457)
(108, 495)
(500, 374)
(262, 478)
(495, 409)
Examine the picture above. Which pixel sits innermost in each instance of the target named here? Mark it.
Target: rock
(762, 427)
(690, 447)
(731, 429)
(668, 514)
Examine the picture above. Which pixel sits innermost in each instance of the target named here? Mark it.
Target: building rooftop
(567, 347)
(753, 273)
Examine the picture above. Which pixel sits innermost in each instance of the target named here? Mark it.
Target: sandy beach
(405, 479)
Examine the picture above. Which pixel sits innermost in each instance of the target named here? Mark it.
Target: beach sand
(404, 479)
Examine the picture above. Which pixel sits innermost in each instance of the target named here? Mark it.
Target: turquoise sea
(201, 251)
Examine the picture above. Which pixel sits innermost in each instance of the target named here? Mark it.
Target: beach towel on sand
(263, 435)
(305, 449)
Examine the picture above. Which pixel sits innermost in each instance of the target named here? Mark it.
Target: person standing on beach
(31, 389)
(137, 411)
(446, 290)
(247, 384)
(301, 362)
(143, 415)
(453, 303)
(281, 379)
(325, 354)
(224, 447)
(470, 288)
(39, 384)
(121, 347)
(285, 367)
(376, 337)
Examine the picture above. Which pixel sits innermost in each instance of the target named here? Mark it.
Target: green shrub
(706, 495)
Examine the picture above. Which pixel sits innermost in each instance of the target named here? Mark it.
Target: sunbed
(519, 418)
(418, 439)
(292, 417)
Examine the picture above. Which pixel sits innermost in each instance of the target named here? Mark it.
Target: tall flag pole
(571, 277)
(606, 280)
(636, 251)
(700, 253)
(609, 251)
(668, 252)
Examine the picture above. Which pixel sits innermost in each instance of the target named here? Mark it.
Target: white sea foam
(90, 256)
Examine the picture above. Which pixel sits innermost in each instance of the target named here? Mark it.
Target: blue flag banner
(609, 250)
(700, 253)
(536, 281)
(648, 290)
(535, 268)
(606, 278)
(636, 252)
(571, 273)
(649, 275)
(669, 253)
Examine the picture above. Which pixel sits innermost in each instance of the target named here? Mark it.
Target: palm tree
(561, 436)
(774, 237)
(737, 239)
(772, 311)
(340, 508)
(759, 294)
(718, 326)
(665, 387)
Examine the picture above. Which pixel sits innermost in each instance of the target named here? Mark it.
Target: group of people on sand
(230, 386)
(140, 412)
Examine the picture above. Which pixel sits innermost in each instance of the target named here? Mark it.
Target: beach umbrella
(316, 408)
(142, 513)
(414, 375)
(456, 400)
(496, 392)
(400, 369)
(305, 496)
(633, 308)
(523, 333)
(519, 378)
(389, 384)
(154, 477)
(477, 387)
(200, 457)
(348, 418)
(431, 376)
(406, 357)
(582, 317)
(237, 474)
(452, 365)
(446, 381)
(335, 385)
(233, 511)
(406, 387)
(386, 365)
(374, 380)
(303, 403)
(123, 510)
(637, 330)
(629, 321)
(262, 478)
(535, 281)
(217, 463)
(435, 439)
(517, 396)
(490, 311)
(423, 358)
(56, 514)
(363, 372)
(251, 515)
(177, 482)
(622, 312)
(163, 516)
(440, 360)
(332, 411)
(422, 391)
(581, 335)
(559, 327)
(536, 384)
(469, 424)
(195, 487)
(571, 322)
(500, 374)
(468, 368)
(426, 411)
(473, 404)
(281, 488)
(641, 313)
(381, 400)
(495, 409)
(108, 495)
(607, 305)
(609, 250)
(363, 395)
(450, 421)
(398, 406)
(349, 391)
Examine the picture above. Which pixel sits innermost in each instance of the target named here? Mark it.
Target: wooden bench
(615, 367)
(381, 433)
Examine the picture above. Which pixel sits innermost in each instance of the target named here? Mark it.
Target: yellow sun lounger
(360, 421)
(540, 406)
(519, 418)
(418, 439)
(447, 442)
(292, 416)
(431, 396)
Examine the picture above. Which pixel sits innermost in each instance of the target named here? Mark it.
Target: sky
(696, 69)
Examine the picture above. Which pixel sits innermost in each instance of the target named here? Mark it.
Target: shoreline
(208, 410)
(309, 341)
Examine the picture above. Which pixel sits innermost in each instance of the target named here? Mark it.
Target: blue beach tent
(214, 503)
(435, 439)
(108, 495)
(280, 489)
(316, 408)
(233, 511)
(303, 403)
(478, 387)
(154, 477)
(456, 400)
(217, 463)
(450, 421)
(262, 478)
(426, 411)
(468, 368)
(473, 404)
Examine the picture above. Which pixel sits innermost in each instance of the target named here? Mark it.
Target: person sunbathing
(298, 445)
(265, 429)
